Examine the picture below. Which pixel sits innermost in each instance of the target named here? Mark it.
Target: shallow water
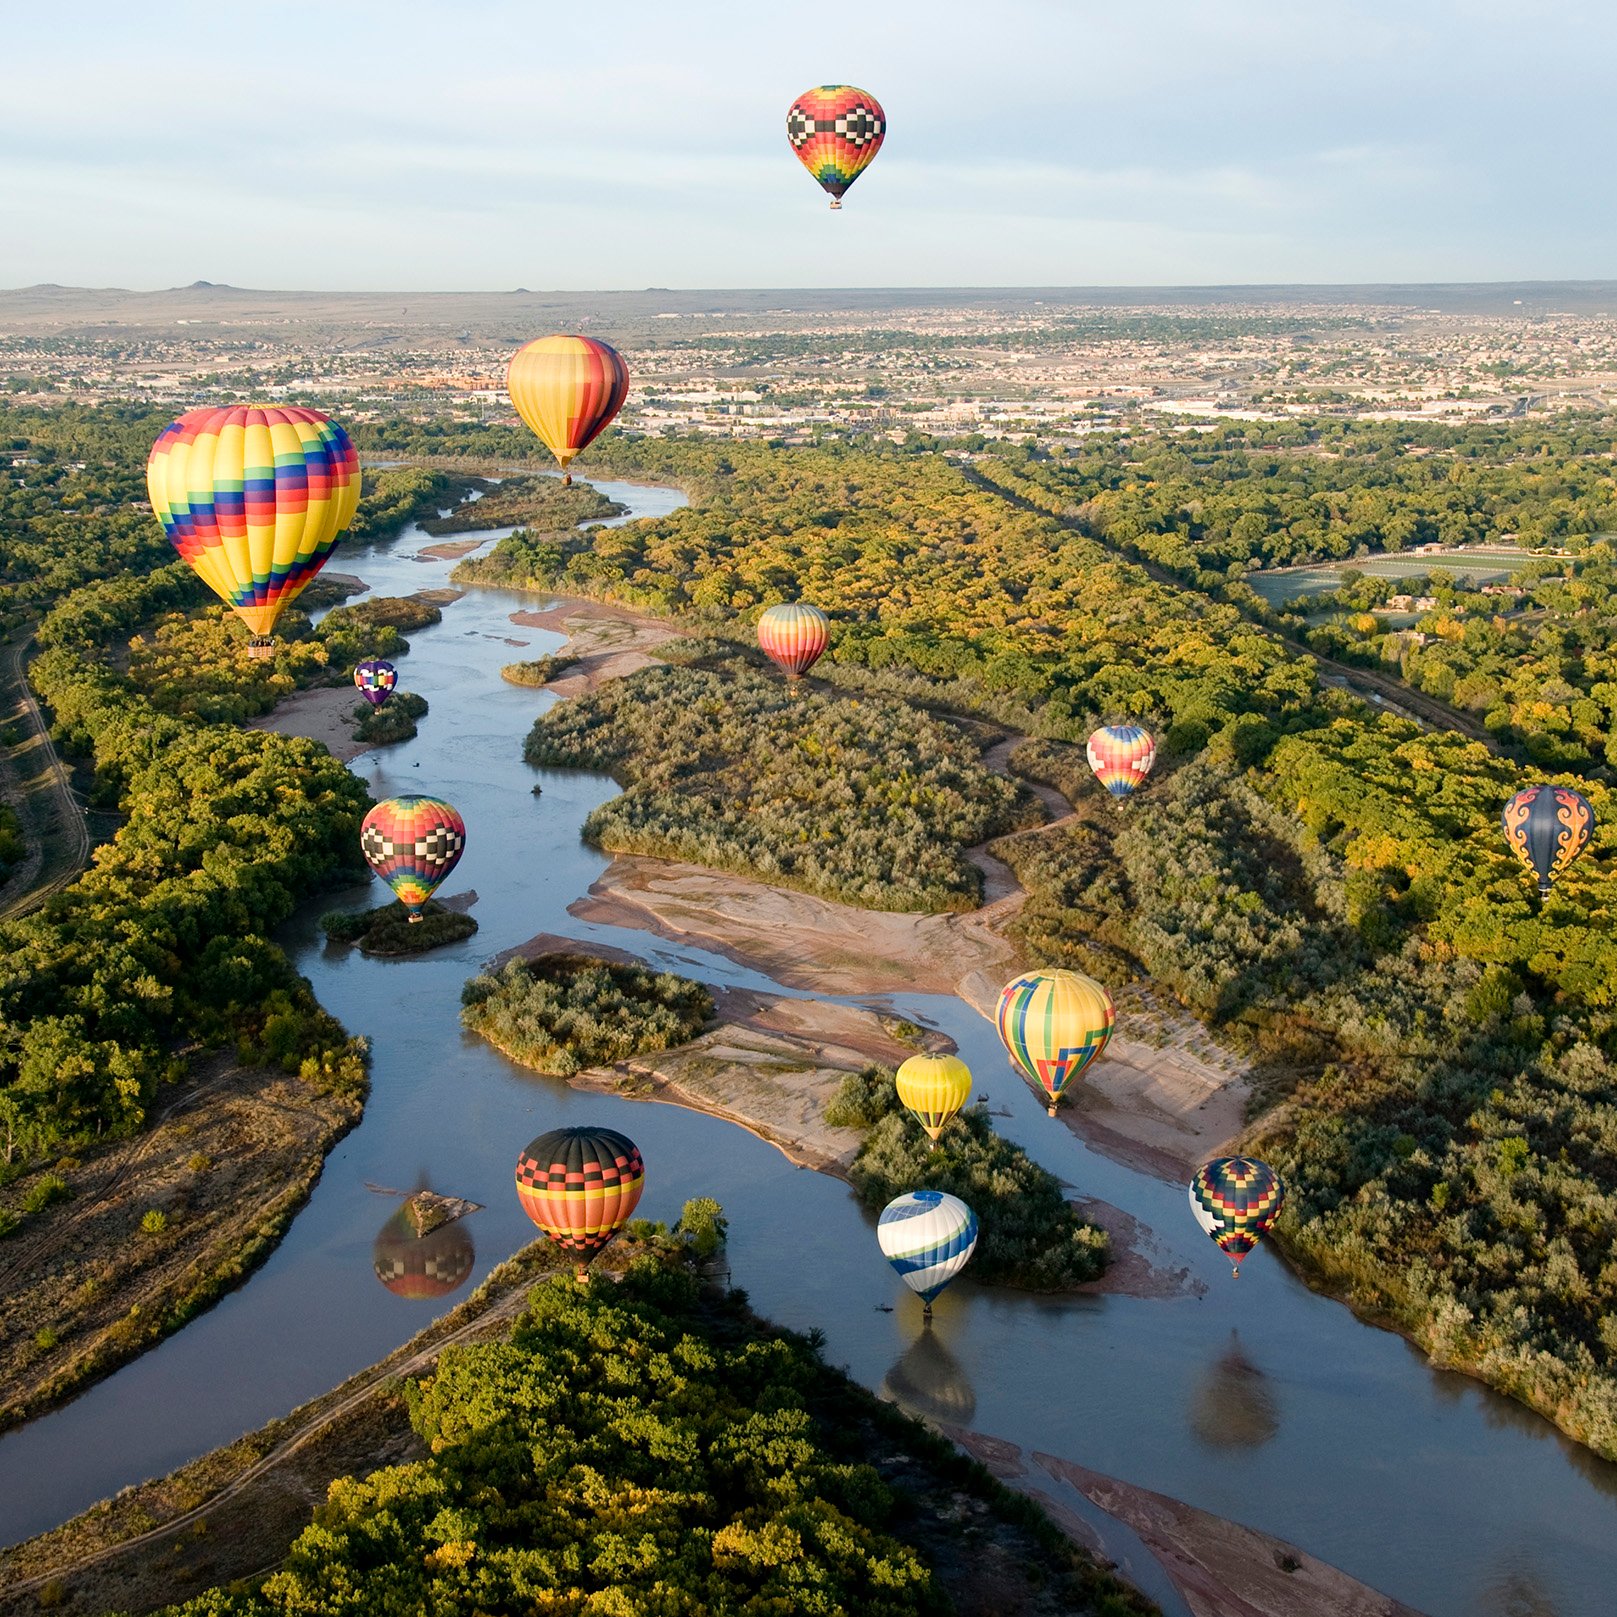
(1258, 1400)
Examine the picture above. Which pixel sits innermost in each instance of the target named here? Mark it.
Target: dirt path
(39, 787)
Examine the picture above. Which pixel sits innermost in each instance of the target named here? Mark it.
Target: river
(1258, 1401)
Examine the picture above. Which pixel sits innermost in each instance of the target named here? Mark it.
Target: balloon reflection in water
(928, 1380)
(1233, 1406)
(423, 1266)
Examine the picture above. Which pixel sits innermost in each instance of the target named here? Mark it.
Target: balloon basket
(566, 479)
(415, 920)
(582, 1274)
(836, 205)
(261, 648)
(1051, 1108)
(926, 1313)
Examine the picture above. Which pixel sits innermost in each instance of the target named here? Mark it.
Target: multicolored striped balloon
(836, 131)
(1547, 827)
(375, 680)
(413, 843)
(1121, 756)
(934, 1088)
(581, 1186)
(1236, 1200)
(254, 498)
(1053, 1024)
(929, 1237)
(567, 389)
(793, 635)
(423, 1266)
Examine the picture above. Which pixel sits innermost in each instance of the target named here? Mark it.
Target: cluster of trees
(388, 929)
(396, 721)
(864, 800)
(1029, 1234)
(540, 671)
(544, 503)
(560, 1013)
(636, 1447)
(13, 845)
(394, 497)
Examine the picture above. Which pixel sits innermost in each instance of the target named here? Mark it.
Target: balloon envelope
(934, 1088)
(567, 389)
(836, 131)
(792, 635)
(1053, 1025)
(254, 498)
(929, 1237)
(375, 679)
(1236, 1200)
(580, 1186)
(413, 843)
(1121, 756)
(1547, 827)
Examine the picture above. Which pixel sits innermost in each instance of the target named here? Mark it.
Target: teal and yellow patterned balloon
(1053, 1025)
(1236, 1200)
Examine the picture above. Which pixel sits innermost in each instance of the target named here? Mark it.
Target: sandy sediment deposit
(325, 714)
(449, 550)
(605, 642)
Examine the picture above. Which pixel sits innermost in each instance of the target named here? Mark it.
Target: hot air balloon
(254, 498)
(375, 680)
(567, 389)
(836, 131)
(580, 1186)
(1121, 756)
(929, 1237)
(1547, 827)
(1053, 1024)
(1236, 1200)
(413, 843)
(934, 1088)
(423, 1266)
(792, 635)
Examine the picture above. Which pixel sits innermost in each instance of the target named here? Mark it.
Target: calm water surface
(1257, 1401)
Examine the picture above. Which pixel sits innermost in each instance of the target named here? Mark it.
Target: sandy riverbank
(604, 642)
(325, 714)
(1221, 1568)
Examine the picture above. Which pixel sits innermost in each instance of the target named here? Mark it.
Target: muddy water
(1256, 1400)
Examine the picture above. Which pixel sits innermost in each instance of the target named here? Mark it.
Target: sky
(483, 145)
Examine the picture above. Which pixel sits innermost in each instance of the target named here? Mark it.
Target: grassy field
(1487, 564)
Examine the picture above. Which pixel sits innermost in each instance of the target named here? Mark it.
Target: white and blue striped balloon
(929, 1237)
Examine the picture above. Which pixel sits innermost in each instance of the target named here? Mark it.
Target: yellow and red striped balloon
(1121, 756)
(580, 1186)
(793, 635)
(567, 389)
(254, 498)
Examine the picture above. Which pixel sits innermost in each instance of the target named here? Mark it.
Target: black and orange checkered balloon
(580, 1186)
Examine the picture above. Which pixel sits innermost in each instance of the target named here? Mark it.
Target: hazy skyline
(1033, 142)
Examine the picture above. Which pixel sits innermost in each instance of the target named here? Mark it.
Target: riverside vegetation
(534, 502)
(1030, 1235)
(867, 801)
(1449, 1135)
(388, 929)
(644, 1446)
(560, 1013)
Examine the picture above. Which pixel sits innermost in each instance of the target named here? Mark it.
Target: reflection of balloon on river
(1236, 1200)
(1233, 1406)
(928, 1236)
(254, 498)
(836, 131)
(375, 679)
(1121, 756)
(413, 843)
(423, 1266)
(1053, 1025)
(928, 1380)
(580, 1186)
(1547, 827)
(567, 389)
(934, 1088)
(792, 635)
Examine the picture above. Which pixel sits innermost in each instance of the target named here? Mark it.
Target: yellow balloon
(934, 1088)
(567, 389)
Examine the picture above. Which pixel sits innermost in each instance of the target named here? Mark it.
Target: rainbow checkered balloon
(1236, 1200)
(1121, 756)
(836, 131)
(413, 843)
(254, 498)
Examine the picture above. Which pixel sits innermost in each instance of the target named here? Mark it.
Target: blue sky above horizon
(486, 144)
